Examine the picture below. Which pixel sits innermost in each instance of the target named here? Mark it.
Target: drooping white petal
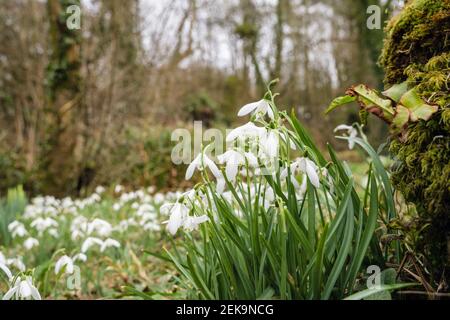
(24, 289)
(252, 160)
(192, 223)
(192, 166)
(248, 108)
(247, 130)
(343, 127)
(80, 256)
(312, 175)
(89, 242)
(109, 243)
(35, 293)
(64, 261)
(8, 295)
(6, 270)
(220, 185)
(212, 166)
(178, 215)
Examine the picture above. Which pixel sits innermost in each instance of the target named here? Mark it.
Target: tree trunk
(64, 93)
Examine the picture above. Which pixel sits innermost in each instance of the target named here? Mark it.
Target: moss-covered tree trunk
(417, 49)
(64, 96)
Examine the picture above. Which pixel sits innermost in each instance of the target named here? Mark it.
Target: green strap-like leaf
(339, 101)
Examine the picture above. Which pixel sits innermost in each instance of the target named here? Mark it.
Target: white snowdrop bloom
(259, 109)
(64, 261)
(109, 243)
(77, 234)
(269, 146)
(249, 130)
(89, 242)
(53, 232)
(145, 209)
(42, 224)
(118, 189)
(135, 205)
(306, 166)
(17, 229)
(23, 289)
(192, 223)
(30, 243)
(159, 198)
(178, 214)
(151, 226)
(116, 206)
(99, 226)
(79, 257)
(351, 132)
(6, 271)
(233, 160)
(151, 189)
(17, 263)
(67, 203)
(190, 195)
(4, 267)
(200, 163)
(100, 189)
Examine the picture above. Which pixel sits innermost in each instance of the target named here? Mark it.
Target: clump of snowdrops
(276, 218)
(70, 248)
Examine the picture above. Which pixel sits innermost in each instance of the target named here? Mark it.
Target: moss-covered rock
(417, 49)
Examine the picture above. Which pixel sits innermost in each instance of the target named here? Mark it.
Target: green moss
(417, 34)
(417, 49)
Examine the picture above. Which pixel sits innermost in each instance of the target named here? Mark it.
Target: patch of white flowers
(255, 149)
(92, 227)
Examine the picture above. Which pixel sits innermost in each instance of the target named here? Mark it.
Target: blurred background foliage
(94, 106)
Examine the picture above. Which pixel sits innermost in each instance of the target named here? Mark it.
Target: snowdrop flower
(192, 223)
(6, 270)
(200, 163)
(159, 198)
(101, 227)
(89, 242)
(269, 145)
(53, 232)
(23, 289)
(108, 243)
(178, 214)
(41, 224)
(80, 256)
(259, 108)
(17, 229)
(30, 243)
(16, 262)
(135, 205)
(64, 261)
(249, 130)
(118, 189)
(352, 134)
(306, 166)
(233, 160)
(99, 189)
